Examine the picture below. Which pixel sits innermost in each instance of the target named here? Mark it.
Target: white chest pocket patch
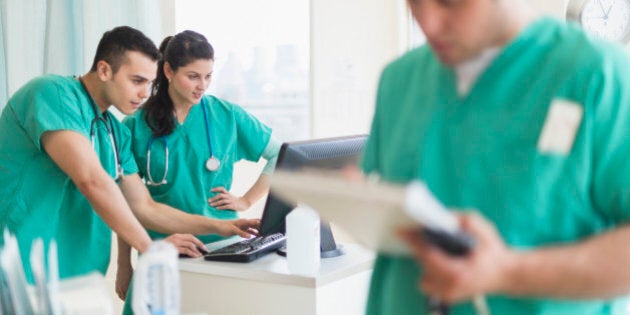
(560, 128)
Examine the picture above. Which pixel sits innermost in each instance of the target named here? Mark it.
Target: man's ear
(104, 70)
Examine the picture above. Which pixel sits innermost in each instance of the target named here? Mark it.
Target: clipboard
(369, 211)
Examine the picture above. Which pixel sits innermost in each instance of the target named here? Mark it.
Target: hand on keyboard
(202, 250)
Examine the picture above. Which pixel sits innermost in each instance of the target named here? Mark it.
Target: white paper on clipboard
(369, 211)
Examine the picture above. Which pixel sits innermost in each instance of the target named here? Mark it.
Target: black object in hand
(457, 243)
(453, 243)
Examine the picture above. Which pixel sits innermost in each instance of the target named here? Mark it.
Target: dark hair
(178, 51)
(115, 43)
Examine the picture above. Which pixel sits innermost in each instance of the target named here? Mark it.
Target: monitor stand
(328, 246)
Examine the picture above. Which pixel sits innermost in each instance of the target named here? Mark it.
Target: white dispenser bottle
(156, 286)
(303, 247)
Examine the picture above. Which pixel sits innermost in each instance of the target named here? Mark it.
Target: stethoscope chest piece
(212, 164)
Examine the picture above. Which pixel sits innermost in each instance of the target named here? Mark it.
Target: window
(261, 57)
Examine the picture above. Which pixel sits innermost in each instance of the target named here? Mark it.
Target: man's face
(458, 30)
(129, 87)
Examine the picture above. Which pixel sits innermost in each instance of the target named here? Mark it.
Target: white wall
(351, 41)
(553, 7)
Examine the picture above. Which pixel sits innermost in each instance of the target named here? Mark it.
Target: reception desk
(265, 286)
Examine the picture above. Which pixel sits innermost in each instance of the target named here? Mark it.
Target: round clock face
(609, 19)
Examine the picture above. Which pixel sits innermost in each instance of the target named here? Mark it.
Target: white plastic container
(156, 287)
(303, 247)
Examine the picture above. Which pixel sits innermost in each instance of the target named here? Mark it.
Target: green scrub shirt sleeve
(271, 155)
(252, 135)
(51, 107)
(368, 161)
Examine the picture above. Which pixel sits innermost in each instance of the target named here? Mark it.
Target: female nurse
(186, 143)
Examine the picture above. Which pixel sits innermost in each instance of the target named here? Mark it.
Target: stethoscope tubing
(207, 121)
(163, 181)
(112, 137)
(150, 181)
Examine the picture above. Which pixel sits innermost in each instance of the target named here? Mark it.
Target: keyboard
(247, 250)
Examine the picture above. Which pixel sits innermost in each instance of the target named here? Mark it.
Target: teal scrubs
(480, 151)
(235, 135)
(37, 199)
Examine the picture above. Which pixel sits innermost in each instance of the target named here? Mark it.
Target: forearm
(124, 254)
(168, 220)
(258, 190)
(595, 268)
(124, 270)
(109, 203)
(160, 217)
(73, 153)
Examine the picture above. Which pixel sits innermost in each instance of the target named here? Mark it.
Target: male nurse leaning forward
(66, 169)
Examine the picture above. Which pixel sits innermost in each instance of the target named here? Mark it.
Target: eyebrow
(139, 77)
(195, 73)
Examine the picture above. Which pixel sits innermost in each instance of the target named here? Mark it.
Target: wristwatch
(608, 19)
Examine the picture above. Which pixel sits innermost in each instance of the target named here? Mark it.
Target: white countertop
(273, 267)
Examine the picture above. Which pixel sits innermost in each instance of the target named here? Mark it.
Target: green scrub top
(235, 135)
(480, 152)
(37, 199)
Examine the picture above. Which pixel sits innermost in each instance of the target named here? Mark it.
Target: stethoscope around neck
(112, 138)
(212, 163)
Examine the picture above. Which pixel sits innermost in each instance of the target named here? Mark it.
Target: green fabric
(235, 134)
(480, 152)
(127, 307)
(38, 200)
(271, 155)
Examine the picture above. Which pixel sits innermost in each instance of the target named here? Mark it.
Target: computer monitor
(326, 153)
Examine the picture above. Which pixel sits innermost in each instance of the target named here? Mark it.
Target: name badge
(561, 126)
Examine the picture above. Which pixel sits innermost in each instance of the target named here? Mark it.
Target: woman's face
(188, 84)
